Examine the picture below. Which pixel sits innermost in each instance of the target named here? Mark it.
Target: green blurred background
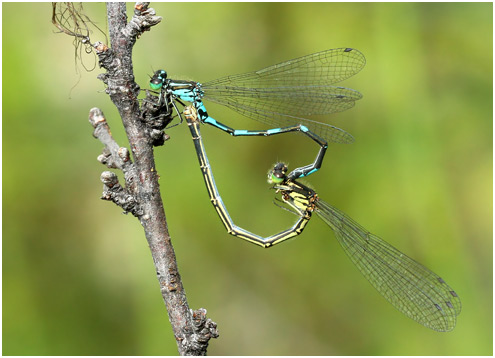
(78, 278)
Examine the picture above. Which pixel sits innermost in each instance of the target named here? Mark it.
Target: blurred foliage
(77, 275)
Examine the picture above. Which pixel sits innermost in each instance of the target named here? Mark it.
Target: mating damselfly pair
(277, 96)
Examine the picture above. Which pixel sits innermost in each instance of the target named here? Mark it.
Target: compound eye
(276, 179)
(158, 79)
(156, 83)
(161, 74)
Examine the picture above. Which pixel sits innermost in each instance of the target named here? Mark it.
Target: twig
(141, 194)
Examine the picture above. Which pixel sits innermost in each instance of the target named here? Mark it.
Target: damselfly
(409, 286)
(277, 96)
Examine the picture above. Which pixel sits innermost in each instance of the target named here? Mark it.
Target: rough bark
(140, 195)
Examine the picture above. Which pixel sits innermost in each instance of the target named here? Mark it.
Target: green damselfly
(410, 287)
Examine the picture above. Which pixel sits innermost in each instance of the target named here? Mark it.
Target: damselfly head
(157, 80)
(277, 175)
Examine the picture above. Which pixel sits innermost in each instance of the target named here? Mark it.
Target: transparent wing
(274, 120)
(412, 288)
(279, 94)
(322, 68)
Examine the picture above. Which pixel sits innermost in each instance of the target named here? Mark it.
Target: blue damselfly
(277, 96)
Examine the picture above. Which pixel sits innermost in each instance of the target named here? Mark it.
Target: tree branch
(141, 194)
